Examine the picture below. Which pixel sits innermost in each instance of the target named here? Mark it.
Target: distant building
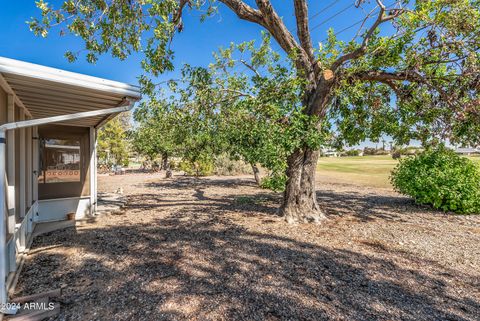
(467, 151)
(329, 152)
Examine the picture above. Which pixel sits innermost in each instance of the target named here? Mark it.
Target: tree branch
(178, 15)
(303, 32)
(249, 66)
(267, 17)
(381, 18)
(389, 78)
(274, 24)
(244, 11)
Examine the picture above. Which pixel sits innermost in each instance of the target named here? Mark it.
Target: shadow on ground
(334, 203)
(195, 263)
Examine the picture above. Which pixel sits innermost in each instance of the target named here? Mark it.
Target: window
(59, 160)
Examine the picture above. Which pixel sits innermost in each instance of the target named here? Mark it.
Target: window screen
(60, 160)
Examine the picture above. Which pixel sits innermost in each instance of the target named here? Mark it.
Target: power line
(324, 9)
(333, 16)
(346, 28)
(358, 22)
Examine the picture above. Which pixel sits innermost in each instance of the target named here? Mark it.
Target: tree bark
(256, 174)
(300, 199)
(165, 165)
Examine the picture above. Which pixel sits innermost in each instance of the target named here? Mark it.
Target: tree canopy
(411, 71)
(113, 144)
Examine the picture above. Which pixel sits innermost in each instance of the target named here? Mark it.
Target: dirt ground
(215, 249)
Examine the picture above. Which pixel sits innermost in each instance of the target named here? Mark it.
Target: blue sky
(194, 45)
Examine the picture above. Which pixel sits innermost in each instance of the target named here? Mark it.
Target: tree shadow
(187, 182)
(197, 261)
(364, 206)
(202, 266)
(367, 206)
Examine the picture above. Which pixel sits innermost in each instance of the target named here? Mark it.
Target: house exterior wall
(21, 204)
(51, 96)
(30, 203)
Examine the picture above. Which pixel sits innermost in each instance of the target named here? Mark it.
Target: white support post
(11, 166)
(34, 174)
(36, 162)
(95, 176)
(29, 171)
(22, 166)
(93, 170)
(24, 174)
(3, 217)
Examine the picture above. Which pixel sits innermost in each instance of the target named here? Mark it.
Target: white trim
(22, 240)
(56, 119)
(16, 67)
(54, 211)
(63, 198)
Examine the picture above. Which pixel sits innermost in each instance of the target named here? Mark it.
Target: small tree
(178, 127)
(113, 142)
(156, 133)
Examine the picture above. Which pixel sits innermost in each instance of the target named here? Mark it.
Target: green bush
(440, 178)
(198, 168)
(397, 154)
(352, 152)
(225, 166)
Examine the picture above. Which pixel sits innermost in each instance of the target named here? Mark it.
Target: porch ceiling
(47, 92)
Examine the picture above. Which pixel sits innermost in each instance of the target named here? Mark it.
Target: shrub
(198, 168)
(173, 165)
(397, 154)
(225, 166)
(352, 152)
(369, 151)
(440, 178)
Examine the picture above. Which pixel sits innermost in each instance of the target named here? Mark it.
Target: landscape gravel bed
(215, 249)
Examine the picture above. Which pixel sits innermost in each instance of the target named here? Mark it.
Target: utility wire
(345, 29)
(357, 23)
(333, 16)
(324, 9)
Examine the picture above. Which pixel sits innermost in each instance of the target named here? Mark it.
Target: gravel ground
(215, 249)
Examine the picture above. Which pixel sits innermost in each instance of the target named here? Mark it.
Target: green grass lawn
(360, 170)
(371, 171)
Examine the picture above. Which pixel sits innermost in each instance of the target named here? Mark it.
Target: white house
(48, 124)
(467, 151)
(329, 152)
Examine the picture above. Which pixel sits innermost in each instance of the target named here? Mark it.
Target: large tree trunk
(300, 201)
(300, 198)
